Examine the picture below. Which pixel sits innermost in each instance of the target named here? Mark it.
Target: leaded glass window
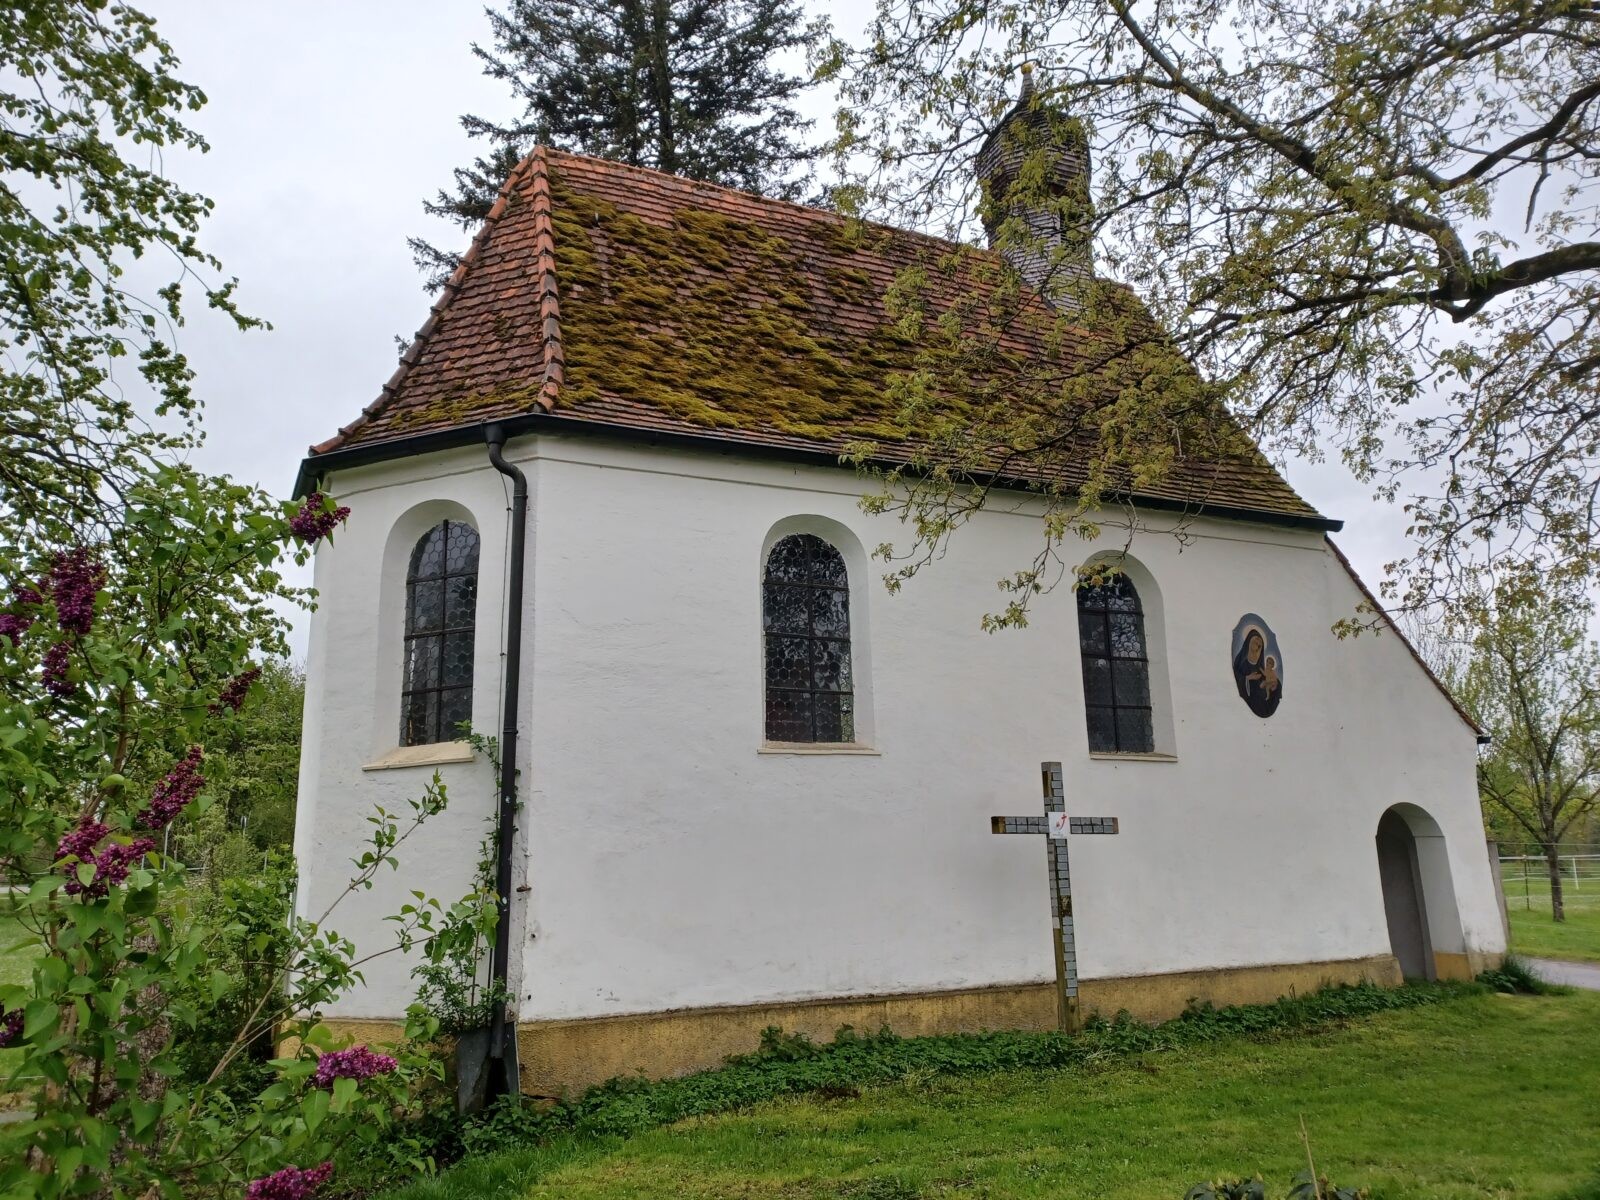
(805, 619)
(441, 606)
(1116, 667)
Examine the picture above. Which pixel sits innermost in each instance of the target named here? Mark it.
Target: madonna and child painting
(1257, 665)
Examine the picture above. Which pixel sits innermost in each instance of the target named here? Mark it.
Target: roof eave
(315, 466)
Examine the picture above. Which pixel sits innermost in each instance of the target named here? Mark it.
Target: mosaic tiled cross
(1059, 826)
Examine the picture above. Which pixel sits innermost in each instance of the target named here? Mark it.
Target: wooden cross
(1057, 825)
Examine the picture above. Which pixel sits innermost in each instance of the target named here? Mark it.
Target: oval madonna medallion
(1257, 665)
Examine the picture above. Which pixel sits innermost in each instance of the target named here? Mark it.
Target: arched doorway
(1403, 897)
(1419, 897)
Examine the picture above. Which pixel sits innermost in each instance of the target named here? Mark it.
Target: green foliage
(139, 602)
(1374, 227)
(251, 920)
(1531, 677)
(454, 986)
(787, 1065)
(91, 107)
(254, 759)
(1513, 977)
(685, 86)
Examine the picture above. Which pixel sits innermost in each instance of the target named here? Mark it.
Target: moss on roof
(714, 320)
(619, 297)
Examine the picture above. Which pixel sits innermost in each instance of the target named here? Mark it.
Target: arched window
(441, 604)
(805, 616)
(1116, 666)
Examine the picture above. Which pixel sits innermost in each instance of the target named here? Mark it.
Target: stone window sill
(433, 754)
(1117, 756)
(811, 748)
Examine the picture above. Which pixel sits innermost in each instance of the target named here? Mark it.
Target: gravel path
(1573, 974)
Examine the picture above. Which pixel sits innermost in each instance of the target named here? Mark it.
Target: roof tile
(619, 296)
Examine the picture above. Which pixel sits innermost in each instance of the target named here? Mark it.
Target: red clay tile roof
(622, 297)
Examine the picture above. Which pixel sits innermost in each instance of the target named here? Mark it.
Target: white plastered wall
(672, 863)
(352, 716)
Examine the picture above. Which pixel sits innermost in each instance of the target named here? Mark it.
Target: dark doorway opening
(1403, 901)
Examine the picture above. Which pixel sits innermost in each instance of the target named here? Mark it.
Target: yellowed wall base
(561, 1058)
(1464, 967)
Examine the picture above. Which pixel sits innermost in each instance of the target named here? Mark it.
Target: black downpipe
(503, 1048)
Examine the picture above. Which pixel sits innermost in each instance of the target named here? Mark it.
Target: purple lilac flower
(314, 522)
(112, 864)
(80, 843)
(175, 791)
(358, 1062)
(14, 624)
(234, 691)
(54, 673)
(75, 579)
(291, 1183)
(10, 1027)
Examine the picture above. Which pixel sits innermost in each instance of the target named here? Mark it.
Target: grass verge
(1122, 1110)
(1577, 938)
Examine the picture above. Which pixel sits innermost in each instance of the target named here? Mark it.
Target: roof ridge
(808, 210)
(554, 361)
(544, 253)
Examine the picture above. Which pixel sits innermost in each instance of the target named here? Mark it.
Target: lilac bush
(176, 791)
(22, 614)
(234, 692)
(111, 862)
(316, 519)
(291, 1183)
(53, 672)
(75, 580)
(358, 1062)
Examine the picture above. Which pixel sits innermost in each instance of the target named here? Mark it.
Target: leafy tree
(88, 107)
(689, 87)
(1532, 679)
(1373, 227)
(137, 597)
(256, 761)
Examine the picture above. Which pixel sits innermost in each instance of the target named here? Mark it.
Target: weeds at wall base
(792, 1064)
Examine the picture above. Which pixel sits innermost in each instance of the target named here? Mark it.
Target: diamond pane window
(1116, 668)
(805, 621)
(441, 607)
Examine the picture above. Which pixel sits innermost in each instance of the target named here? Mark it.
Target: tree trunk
(1558, 908)
(636, 41)
(661, 81)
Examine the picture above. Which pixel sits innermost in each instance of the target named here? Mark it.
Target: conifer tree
(690, 87)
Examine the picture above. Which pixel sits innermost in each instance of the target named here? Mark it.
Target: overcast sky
(329, 123)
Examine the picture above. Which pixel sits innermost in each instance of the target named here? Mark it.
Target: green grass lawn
(1532, 930)
(1486, 1096)
(1578, 937)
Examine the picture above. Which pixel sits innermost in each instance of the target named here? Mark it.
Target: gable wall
(672, 864)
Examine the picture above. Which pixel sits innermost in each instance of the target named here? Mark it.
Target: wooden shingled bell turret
(1051, 246)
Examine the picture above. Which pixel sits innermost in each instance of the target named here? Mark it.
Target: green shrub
(1514, 977)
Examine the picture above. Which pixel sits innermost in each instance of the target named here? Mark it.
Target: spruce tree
(685, 86)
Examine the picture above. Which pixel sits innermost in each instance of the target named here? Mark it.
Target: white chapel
(755, 788)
